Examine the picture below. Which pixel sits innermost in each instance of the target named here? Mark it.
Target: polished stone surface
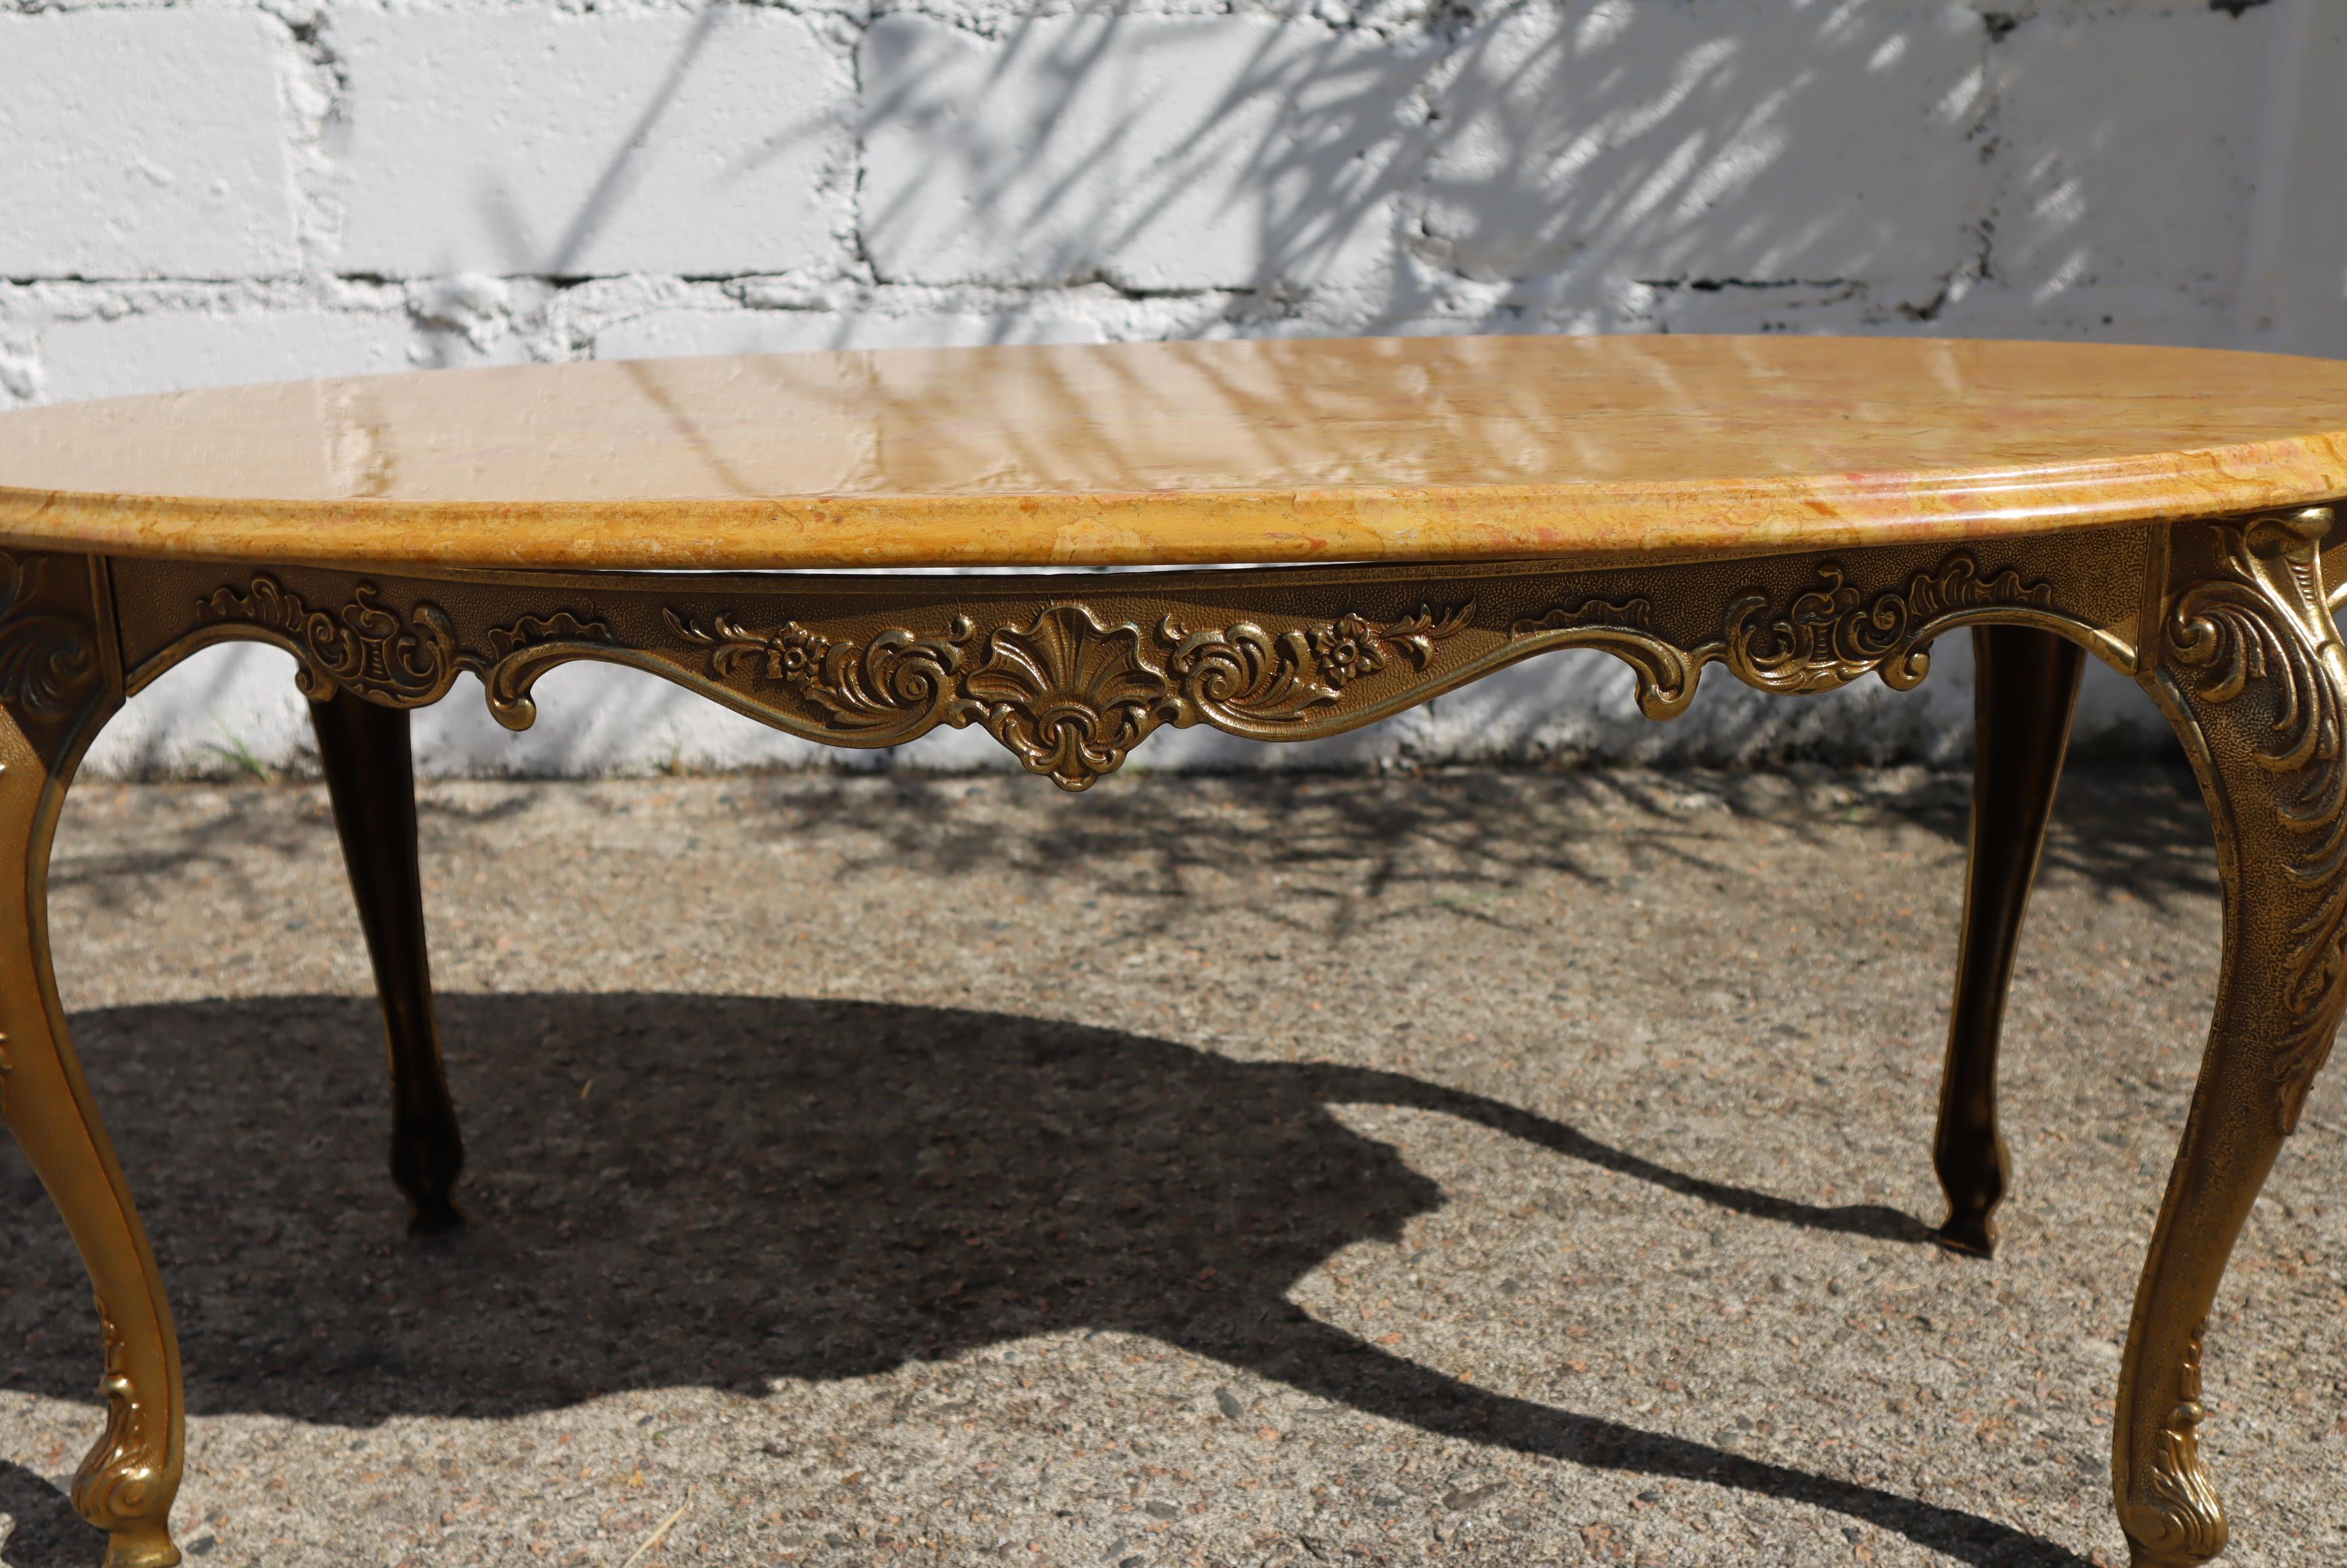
(1288, 450)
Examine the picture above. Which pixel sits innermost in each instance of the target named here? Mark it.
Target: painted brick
(1155, 153)
(1717, 141)
(2294, 287)
(666, 333)
(2137, 169)
(539, 142)
(2116, 201)
(158, 353)
(142, 144)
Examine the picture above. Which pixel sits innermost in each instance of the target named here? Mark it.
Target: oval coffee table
(1409, 514)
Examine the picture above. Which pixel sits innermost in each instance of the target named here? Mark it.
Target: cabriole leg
(56, 687)
(2025, 690)
(365, 752)
(2250, 670)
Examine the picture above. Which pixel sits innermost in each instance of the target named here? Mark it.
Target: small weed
(240, 757)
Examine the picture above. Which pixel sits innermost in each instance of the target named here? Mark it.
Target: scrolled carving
(1825, 637)
(118, 1481)
(365, 647)
(2185, 1515)
(521, 652)
(891, 688)
(1243, 679)
(1666, 674)
(1353, 645)
(48, 662)
(1240, 676)
(2263, 624)
(404, 660)
(1069, 695)
(1830, 635)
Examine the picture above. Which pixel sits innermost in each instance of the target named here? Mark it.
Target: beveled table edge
(1427, 525)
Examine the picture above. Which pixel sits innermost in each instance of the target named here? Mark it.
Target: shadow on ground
(45, 1532)
(2135, 827)
(674, 1188)
(1347, 843)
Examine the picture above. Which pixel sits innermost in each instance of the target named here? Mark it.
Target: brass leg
(2027, 687)
(364, 749)
(53, 688)
(2250, 670)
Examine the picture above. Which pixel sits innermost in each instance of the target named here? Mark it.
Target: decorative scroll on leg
(57, 684)
(2025, 690)
(2252, 671)
(370, 774)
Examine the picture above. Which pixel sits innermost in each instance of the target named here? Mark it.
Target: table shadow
(45, 1531)
(676, 1189)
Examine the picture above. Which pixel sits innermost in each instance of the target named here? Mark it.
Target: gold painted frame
(2228, 625)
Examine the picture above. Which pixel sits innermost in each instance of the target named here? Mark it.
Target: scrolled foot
(369, 763)
(141, 1546)
(127, 1482)
(2181, 1522)
(1973, 1235)
(432, 1216)
(426, 1157)
(2025, 689)
(126, 1485)
(2252, 673)
(1974, 1167)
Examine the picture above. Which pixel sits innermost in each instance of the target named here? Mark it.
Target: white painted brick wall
(1160, 153)
(543, 142)
(1842, 146)
(143, 145)
(244, 190)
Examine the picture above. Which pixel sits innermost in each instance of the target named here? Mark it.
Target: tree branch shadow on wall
(768, 1188)
(1532, 168)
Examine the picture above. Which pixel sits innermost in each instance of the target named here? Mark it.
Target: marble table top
(1423, 449)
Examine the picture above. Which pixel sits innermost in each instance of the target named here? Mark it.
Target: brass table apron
(2227, 624)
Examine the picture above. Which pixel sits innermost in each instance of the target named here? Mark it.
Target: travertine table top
(1193, 453)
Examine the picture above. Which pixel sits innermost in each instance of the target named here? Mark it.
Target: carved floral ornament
(1068, 696)
(1071, 693)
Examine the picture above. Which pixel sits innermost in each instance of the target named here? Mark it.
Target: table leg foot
(2025, 690)
(125, 1484)
(2250, 670)
(365, 752)
(141, 1547)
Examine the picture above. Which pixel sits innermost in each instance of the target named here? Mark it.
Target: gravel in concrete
(1459, 1168)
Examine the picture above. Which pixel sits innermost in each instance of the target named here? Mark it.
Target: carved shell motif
(1068, 696)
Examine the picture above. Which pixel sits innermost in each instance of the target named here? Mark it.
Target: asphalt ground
(1460, 1167)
